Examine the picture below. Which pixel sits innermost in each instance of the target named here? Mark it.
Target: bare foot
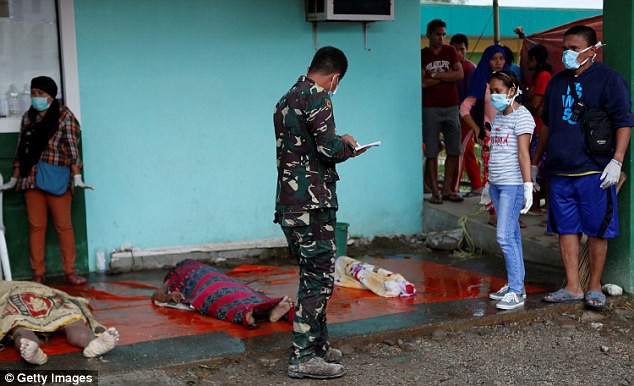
(250, 318)
(102, 344)
(281, 309)
(31, 352)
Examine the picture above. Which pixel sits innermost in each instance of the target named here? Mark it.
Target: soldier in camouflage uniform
(306, 204)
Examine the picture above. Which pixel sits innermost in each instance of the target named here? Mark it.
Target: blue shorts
(579, 205)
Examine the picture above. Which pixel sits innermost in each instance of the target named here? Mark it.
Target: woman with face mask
(47, 165)
(510, 185)
(476, 109)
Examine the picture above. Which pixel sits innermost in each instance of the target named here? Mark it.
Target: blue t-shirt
(599, 87)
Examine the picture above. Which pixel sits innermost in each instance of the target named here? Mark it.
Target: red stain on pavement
(126, 305)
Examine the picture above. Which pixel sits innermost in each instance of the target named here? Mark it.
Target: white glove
(485, 198)
(612, 289)
(9, 185)
(78, 182)
(611, 174)
(534, 171)
(528, 197)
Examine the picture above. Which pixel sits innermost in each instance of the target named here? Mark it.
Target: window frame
(67, 41)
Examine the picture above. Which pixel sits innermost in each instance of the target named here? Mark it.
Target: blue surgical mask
(500, 101)
(40, 103)
(569, 58)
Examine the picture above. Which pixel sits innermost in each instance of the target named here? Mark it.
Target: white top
(504, 165)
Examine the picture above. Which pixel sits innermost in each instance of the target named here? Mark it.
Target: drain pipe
(4, 252)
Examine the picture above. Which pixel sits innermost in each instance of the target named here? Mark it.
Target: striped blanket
(213, 293)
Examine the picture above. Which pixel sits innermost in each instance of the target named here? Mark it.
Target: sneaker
(333, 355)
(503, 291)
(510, 301)
(316, 368)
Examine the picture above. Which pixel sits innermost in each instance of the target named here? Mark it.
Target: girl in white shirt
(510, 185)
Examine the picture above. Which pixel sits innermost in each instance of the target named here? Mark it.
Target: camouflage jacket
(307, 149)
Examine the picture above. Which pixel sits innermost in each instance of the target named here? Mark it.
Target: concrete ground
(539, 247)
(452, 293)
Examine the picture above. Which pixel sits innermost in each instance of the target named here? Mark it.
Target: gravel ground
(576, 348)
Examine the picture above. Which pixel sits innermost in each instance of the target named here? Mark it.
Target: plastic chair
(4, 252)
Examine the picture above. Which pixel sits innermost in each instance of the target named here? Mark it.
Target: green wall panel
(618, 33)
(17, 227)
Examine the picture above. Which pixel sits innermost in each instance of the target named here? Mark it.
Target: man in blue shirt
(582, 184)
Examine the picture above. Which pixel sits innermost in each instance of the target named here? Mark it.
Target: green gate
(17, 226)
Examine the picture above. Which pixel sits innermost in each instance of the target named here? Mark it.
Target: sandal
(472, 194)
(435, 199)
(561, 296)
(595, 300)
(452, 197)
(74, 279)
(38, 279)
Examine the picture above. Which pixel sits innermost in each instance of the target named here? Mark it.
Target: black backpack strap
(575, 96)
(573, 88)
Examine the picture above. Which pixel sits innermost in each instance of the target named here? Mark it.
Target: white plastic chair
(4, 252)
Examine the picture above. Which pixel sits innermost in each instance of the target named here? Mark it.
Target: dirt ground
(574, 348)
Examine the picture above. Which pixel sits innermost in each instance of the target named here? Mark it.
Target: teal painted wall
(177, 101)
(477, 20)
(617, 24)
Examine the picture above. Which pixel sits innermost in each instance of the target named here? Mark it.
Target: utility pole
(496, 22)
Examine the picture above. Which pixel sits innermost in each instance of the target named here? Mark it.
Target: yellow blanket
(40, 308)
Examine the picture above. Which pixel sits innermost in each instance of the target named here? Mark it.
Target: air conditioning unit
(349, 10)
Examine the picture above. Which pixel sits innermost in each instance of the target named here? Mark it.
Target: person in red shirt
(467, 159)
(537, 61)
(440, 69)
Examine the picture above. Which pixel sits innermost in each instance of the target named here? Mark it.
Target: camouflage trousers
(311, 240)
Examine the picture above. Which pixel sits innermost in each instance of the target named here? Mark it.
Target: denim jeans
(508, 200)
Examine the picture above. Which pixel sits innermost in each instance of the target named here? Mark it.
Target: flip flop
(561, 296)
(472, 194)
(595, 300)
(435, 199)
(452, 197)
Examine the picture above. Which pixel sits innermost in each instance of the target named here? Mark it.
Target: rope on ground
(467, 247)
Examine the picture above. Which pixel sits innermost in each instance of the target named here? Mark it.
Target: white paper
(361, 147)
(179, 306)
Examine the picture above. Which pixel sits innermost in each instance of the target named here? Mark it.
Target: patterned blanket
(40, 308)
(353, 273)
(213, 293)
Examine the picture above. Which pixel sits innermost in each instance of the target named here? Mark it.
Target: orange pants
(37, 205)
